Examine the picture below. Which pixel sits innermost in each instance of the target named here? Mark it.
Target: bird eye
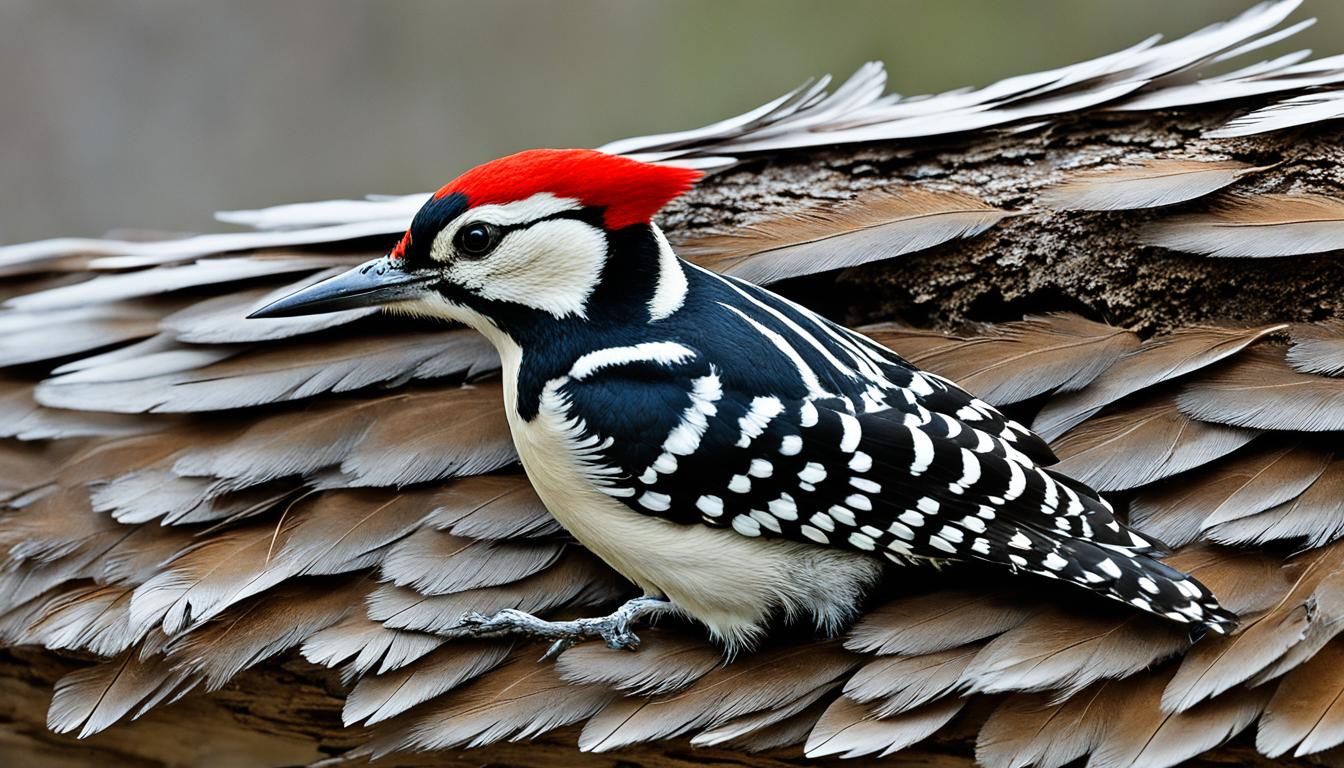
(476, 240)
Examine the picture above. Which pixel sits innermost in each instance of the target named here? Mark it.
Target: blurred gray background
(154, 113)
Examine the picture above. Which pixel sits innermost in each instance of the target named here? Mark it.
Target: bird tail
(1130, 577)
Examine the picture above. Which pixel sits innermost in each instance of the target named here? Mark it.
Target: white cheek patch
(553, 266)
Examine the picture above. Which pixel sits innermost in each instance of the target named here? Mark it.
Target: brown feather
(900, 683)
(1263, 225)
(1307, 709)
(1141, 443)
(25, 466)
(519, 700)
(81, 618)
(1271, 472)
(1316, 516)
(760, 681)
(366, 644)
(1020, 360)
(1326, 620)
(378, 697)
(156, 494)
(1057, 649)
(223, 319)
(1118, 722)
(55, 526)
(937, 621)
(338, 531)
(850, 729)
(1217, 664)
(492, 507)
(1246, 582)
(38, 336)
(105, 459)
(1260, 390)
(331, 533)
(771, 728)
(1318, 348)
(1142, 734)
(207, 579)
(465, 434)
(263, 627)
(392, 440)
(294, 443)
(94, 698)
(52, 540)
(151, 282)
(436, 563)
(667, 661)
(1041, 730)
(1157, 360)
(872, 227)
(576, 579)
(1152, 183)
(21, 417)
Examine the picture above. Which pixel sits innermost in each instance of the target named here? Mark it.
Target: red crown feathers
(629, 191)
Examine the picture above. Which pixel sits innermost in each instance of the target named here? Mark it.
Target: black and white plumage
(715, 443)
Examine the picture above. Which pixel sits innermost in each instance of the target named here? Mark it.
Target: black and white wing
(670, 435)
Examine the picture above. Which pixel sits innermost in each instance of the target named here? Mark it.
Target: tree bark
(287, 712)
(1045, 260)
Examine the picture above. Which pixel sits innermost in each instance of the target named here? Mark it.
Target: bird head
(523, 239)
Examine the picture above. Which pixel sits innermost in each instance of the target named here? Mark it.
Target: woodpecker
(736, 456)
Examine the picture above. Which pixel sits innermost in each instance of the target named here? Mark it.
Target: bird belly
(730, 582)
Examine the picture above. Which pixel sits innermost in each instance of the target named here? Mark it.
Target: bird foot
(614, 629)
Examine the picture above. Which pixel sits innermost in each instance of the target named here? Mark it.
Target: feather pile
(1148, 76)
(191, 548)
(869, 228)
(187, 495)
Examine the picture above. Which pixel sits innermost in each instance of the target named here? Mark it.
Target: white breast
(731, 583)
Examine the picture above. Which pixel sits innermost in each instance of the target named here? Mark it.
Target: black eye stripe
(437, 215)
(591, 216)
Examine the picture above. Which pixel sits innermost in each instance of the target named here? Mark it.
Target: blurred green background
(154, 113)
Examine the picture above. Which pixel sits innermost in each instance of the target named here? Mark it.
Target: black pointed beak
(379, 281)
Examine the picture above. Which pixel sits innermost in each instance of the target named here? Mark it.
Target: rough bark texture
(1047, 260)
(287, 713)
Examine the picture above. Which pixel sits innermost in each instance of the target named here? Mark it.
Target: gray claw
(558, 647)
(622, 639)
